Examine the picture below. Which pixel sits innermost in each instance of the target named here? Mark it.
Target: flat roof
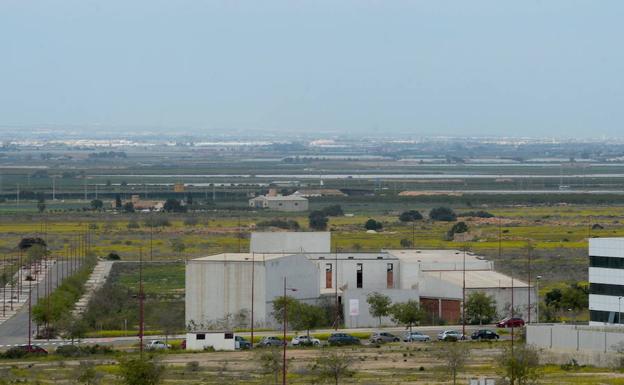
(432, 256)
(240, 257)
(282, 198)
(476, 279)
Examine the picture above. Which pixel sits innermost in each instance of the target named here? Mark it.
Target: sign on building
(354, 307)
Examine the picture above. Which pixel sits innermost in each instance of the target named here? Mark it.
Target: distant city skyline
(355, 67)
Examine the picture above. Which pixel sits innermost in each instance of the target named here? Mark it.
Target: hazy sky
(550, 67)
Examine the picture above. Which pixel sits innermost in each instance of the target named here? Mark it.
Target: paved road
(432, 331)
(15, 330)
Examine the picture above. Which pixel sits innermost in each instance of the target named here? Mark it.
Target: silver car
(451, 335)
(379, 337)
(416, 337)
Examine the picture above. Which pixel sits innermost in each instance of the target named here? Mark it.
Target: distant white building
(279, 202)
(606, 281)
(219, 287)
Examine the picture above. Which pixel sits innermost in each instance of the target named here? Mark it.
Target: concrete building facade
(219, 287)
(289, 203)
(606, 281)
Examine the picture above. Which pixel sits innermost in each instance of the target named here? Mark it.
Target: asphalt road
(15, 330)
(120, 342)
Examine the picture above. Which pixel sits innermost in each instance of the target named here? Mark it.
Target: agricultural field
(393, 364)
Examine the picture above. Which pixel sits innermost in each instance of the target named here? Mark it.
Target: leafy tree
(140, 371)
(458, 228)
(454, 355)
(86, 373)
(406, 243)
(477, 214)
(308, 317)
(271, 362)
(372, 224)
(26, 243)
(333, 366)
(128, 207)
(480, 308)
(410, 216)
(41, 205)
(378, 305)
(520, 365)
(318, 220)
(97, 204)
(174, 205)
(118, 201)
(444, 214)
(178, 245)
(279, 303)
(333, 211)
(407, 313)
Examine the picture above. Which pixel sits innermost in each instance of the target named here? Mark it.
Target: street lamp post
(285, 327)
(537, 280)
(619, 309)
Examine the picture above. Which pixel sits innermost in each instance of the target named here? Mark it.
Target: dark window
(229, 336)
(200, 337)
(605, 316)
(359, 271)
(390, 276)
(606, 262)
(328, 275)
(606, 289)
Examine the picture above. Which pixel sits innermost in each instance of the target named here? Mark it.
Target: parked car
(157, 345)
(379, 337)
(450, 335)
(271, 341)
(484, 334)
(24, 350)
(241, 343)
(416, 337)
(304, 340)
(343, 339)
(509, 322)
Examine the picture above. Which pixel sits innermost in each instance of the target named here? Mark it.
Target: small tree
(378, 305)
(86, 374)
(458, 228)
(480, 308)
(333, 366)
(174, 205)
(520, 365)
(405, 243)
(407, 313)
(454, 355)
(292, 306)
(178, 246)
(128, 207)
(97, 204)
(41, 205)
(318, 220)
(372, 224)
(333, 211)
(140, 371)
(271, 362)
(118, 202)
(410, 216)
(444, 214)
(308, 317)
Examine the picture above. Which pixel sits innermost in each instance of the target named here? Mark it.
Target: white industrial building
(280, 202)
(219, 287)
(606, 280)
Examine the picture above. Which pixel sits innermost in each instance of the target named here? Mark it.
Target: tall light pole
(537, 280)
(464, 295)
(285, 327)
(619, 309)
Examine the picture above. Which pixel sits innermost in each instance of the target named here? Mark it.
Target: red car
(511, 323)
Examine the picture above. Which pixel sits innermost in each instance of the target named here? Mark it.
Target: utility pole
(285, 343)
(464, 294)
(529, 252)
(30, 311)
(141, 310)
(253, 275)
(239, 234)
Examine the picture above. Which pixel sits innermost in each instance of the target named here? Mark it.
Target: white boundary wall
(215, 340)
(579, 338)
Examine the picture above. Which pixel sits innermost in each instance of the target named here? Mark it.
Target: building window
(200, 337)
(228, 336)
(328, 276)
(611, 317)
(606, 262)
(390, 276)
(606, 289)
(359, 273)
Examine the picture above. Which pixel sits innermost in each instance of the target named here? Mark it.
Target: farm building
(220, 288)
(279, 203)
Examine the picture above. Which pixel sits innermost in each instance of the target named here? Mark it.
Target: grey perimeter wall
(586, 344)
